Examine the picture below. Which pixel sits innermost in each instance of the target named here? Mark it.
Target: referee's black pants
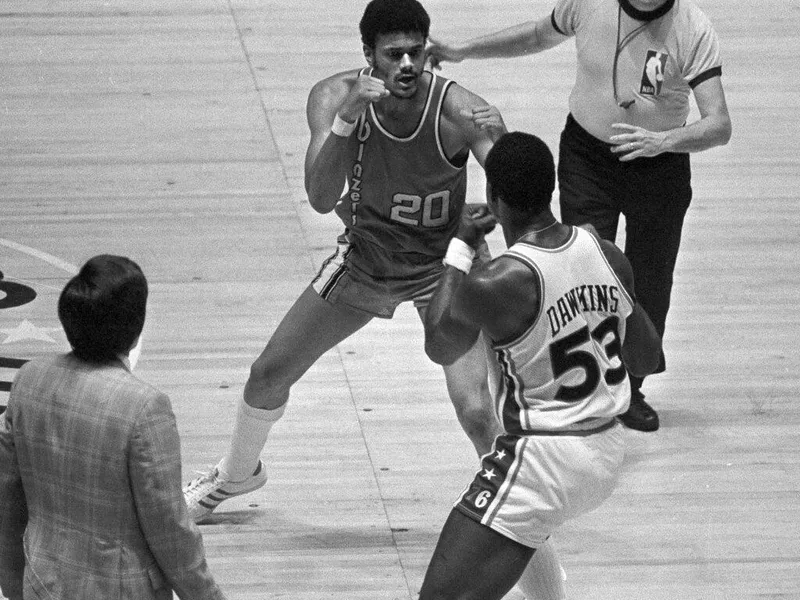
(653, 194)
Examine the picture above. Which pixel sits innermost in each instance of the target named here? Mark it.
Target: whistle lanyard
(620, 47)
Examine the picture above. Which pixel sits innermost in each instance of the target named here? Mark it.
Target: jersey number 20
(565, 354)
(431, 211)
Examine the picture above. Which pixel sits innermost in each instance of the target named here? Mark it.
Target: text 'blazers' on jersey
(403, 194)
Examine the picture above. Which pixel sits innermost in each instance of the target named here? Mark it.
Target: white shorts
(529, 485)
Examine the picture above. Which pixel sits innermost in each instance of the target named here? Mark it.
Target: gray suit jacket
(91, 505)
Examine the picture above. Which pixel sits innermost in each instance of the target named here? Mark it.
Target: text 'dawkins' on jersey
(567, 367)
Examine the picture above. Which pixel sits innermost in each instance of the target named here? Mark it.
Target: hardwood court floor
(174, 131)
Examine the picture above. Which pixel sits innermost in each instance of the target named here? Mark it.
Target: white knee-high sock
(249, 436)
(543, 578)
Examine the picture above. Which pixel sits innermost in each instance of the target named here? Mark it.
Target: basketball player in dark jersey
(396, 137)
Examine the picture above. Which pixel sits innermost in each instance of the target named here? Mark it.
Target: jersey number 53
(566, 354)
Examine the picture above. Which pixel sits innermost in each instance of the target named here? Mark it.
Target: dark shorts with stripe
(375, 281)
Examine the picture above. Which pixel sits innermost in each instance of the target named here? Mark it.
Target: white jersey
(565, 372)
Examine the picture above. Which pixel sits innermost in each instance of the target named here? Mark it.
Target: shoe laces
(207, 481)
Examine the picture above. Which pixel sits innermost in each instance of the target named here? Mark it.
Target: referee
(626, 143)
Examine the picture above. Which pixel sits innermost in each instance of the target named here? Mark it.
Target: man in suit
(90, 495)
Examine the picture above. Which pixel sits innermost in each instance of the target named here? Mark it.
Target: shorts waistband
(374, 253)
(588, 427)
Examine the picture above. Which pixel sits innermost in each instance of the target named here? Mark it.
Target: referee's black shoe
(640, 415)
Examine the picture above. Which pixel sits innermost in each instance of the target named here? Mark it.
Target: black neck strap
(646, 15)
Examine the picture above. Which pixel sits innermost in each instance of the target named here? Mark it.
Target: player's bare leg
(310, 328)
(543, 578)
(468, 387)
(473, 562)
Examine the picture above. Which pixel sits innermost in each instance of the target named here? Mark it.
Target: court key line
(48, 258)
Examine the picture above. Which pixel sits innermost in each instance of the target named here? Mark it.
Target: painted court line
(48, 258)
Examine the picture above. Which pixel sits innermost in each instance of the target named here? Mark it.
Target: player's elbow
(641, 350)
(447, 340)
(641, 363)
(319, 201)
(723, 130)
(322, 209)
(439, 351)
(726, 132)
(643, 357)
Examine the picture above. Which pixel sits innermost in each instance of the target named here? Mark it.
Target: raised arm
(470, 122)
(519, 40)
(448, 336)
(346, 96)
(453, 317)
(498, 298)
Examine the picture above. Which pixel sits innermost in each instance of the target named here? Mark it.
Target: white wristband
(341, 127)
(459, 255)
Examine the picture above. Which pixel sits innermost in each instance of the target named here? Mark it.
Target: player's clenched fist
(486, 117)
(476, 221)
(365, 90)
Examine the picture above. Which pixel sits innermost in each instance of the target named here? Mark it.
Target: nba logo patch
(653, 73)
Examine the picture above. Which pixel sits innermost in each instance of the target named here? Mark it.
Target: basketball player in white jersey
(559, 310)
(626, 145)
(399, 136)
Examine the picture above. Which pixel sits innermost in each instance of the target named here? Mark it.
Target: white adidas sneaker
(204, 494)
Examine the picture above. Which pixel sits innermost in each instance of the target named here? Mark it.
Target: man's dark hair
(102, 308)
(393, 16)
(521, 170)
